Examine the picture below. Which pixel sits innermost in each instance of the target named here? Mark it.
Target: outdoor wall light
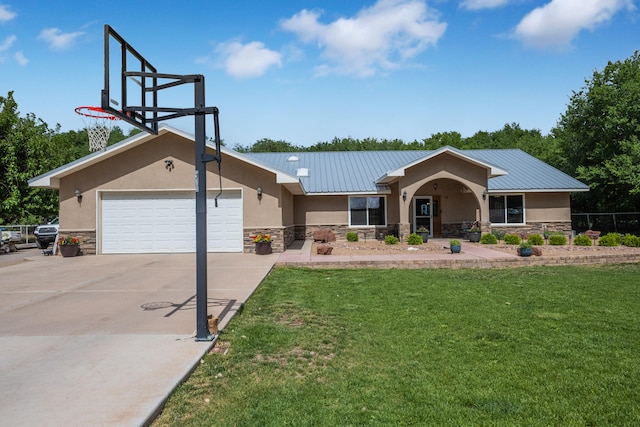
(78, 195)
(168, 164)
(404, 196)
(435, 186)
(484, 195)
(259, 191)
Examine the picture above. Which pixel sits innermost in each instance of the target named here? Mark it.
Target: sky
(308, 71)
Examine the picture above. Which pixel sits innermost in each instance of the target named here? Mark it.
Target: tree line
(596, 140)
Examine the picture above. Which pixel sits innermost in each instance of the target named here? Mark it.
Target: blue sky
(308, 71)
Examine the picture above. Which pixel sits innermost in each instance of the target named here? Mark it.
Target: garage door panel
(165, 222)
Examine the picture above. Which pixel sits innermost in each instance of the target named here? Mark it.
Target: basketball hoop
(98, 124)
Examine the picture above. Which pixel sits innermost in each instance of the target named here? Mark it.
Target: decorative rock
(536, 251)
(324, 236)
(325, 249)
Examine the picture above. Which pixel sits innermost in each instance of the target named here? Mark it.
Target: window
(367, 211)
(506, 209)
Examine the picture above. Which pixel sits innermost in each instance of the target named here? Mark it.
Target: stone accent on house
(87, 240)
(454, 229)
(303, 232)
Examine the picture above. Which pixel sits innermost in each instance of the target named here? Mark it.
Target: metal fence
(609, 222)
(26, 230)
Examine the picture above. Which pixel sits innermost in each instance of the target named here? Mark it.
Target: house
(138, 196)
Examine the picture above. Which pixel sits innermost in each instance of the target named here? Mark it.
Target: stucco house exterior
(138, 196)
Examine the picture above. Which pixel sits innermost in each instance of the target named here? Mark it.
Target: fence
(609, 222)
(26, 230)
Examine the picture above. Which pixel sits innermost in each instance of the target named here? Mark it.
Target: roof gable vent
(302, 172)
(292, 159)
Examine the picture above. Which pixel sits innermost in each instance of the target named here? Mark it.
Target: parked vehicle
(46, 233)
(8, 240)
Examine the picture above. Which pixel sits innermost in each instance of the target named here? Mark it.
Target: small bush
(512, 239)
(454, 242)
(352, 236)
(610, 239)
(526, 245)
(390, 240)
(557, 239)
(535, 239)
(414, 239)
(499, 234)
(631, 241)
(582, 240)
(488, 239)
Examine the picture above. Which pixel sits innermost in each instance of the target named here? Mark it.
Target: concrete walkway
(104, 340)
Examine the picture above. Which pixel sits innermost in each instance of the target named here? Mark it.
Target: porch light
(404, 196)
(78, 195)
(435, 186)
(484, 195)
(259, 191)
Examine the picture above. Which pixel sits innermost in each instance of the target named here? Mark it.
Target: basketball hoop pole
(146, 116)
(201, 159)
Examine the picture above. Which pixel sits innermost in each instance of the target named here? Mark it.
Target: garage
(161, 222)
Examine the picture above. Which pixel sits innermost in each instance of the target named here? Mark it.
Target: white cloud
(482, 4)
(20, 58)
(557, 23)
(5, 14)
(7, 43)
(378, 38)
(57, 39)
(247, 60)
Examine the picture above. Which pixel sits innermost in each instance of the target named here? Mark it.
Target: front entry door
(422, 214)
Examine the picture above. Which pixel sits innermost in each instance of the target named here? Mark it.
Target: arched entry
(443, 205)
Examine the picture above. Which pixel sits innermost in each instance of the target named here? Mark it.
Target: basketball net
(98, 124)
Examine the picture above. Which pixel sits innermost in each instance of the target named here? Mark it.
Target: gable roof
(349, 172)
(345, 172)
(52, 178)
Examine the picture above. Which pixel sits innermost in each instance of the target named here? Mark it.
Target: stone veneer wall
(305, 232)
(87, 240)
(282, 238)
(455, 229)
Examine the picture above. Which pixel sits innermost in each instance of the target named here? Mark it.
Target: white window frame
(367, 197)
(524, 210)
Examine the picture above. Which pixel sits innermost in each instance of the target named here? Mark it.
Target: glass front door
(423, 214)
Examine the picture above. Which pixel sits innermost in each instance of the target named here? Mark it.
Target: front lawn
(528, 346)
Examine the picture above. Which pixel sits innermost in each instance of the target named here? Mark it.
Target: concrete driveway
(103, 340)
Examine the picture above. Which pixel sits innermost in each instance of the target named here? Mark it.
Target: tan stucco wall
(547, 207)
(321, 210)
(143, 168)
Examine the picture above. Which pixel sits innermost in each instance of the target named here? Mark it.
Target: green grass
(536, 347)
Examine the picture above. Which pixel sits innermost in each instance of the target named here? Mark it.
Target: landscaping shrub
(582, 240)
(414, 239)
(352, 236)
(512, 239)
(631, 241)
(499, 234)
(557, 239)
(610, 239)
(535, 239)
(390, 240)
(488, 239)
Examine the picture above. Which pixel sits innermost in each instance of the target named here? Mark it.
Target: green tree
(26, 150)
(599, 137)
(266, 145)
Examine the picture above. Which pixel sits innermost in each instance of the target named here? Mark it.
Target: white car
(46, 234)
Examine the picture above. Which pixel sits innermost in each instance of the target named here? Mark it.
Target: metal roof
(340, 172)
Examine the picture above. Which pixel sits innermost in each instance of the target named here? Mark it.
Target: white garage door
(160, 222)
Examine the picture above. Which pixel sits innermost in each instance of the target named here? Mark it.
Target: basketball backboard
(130, 84)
